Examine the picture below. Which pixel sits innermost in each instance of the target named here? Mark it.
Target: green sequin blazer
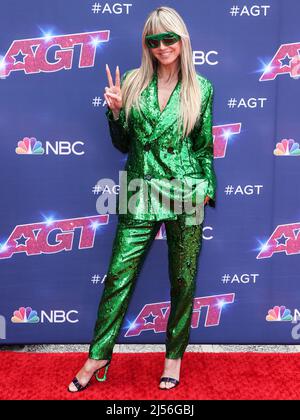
(152, 143)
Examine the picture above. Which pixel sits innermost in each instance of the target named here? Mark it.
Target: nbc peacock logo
(29, 146)
(25, 316)
(287, 147)
(278, 314)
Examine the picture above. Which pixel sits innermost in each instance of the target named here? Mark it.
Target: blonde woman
(161, 115)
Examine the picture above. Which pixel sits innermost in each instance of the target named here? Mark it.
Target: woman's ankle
(169, 361)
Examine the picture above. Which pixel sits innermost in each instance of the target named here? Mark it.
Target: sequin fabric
(155, 153)
(132, 242)
(157, 156)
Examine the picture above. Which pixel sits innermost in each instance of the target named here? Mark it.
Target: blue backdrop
(55, 147)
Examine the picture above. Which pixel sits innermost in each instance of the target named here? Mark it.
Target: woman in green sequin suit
(153, 115)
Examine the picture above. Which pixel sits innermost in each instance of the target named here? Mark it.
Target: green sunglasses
(168, 38)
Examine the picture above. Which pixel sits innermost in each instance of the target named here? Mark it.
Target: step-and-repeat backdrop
(55, 147)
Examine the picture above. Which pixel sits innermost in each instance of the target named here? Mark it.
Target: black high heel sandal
(81, 387)
(168, 379)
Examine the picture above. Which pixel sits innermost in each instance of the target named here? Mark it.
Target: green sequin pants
(132, 241)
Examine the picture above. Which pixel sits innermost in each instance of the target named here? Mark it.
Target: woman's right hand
(113, 94)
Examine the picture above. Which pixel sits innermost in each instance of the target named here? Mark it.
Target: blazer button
(170, 149)
(148, 177)
(147, 147)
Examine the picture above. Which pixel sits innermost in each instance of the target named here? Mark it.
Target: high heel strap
(169, 379)
(78, 385)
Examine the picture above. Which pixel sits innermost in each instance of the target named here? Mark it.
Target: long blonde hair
(165, 19)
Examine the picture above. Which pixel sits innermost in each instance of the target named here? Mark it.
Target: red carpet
(130, 376)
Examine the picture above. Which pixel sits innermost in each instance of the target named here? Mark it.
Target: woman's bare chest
(163, 95)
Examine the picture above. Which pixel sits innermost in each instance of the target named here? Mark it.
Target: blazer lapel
(160, 121)
(148, 103)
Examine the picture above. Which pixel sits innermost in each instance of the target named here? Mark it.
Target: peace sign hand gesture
(113, 94)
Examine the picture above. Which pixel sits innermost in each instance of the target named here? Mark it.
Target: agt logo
(285, 238)
(30, 146)
(33, 55)
(287, 147)
(222, 135)
(285, 61)
(52, 236)
(29, 316)
(154, 316)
